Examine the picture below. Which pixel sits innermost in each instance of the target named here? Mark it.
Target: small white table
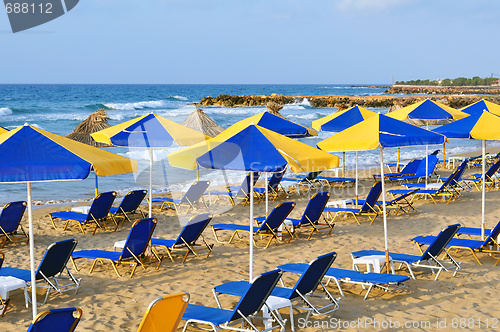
(119, 245)
(276, 303)
(372, 263)
(339, 203)
(81, 209)
(8, 284)
(452, 160)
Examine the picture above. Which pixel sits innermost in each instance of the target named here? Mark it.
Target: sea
(60, 108)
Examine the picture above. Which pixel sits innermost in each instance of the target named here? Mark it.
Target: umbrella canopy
(277, 124)
(480, 106)
(484, 125)
(253, 148)
(380, 131)
(341, 120)
(29, 154)
(149, 131)
(95, 122)
(201, 122)
(429, 112)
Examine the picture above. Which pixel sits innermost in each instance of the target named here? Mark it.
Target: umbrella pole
(399, 158)
(267, 194)
(386, 243)
(426, 161)
(484, 189)
(250, 270)
(32, 251)
(96, 185)
(356, 178)
(150, 214)
(444, 155)
(343, 164)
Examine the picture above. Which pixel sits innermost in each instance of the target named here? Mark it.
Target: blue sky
(258, 41)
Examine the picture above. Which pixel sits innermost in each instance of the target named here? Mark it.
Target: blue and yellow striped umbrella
(480, 106)
(341, 120)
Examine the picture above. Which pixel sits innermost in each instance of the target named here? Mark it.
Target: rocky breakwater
(341, 102)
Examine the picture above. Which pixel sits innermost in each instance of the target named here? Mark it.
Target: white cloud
(368, 5)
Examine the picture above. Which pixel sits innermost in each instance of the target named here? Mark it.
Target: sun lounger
(244, 311)
(189, 199)
(489, 175)
(399, 203)
(273, 187)
(409, 169)
(236, 193)
(98, 212)
(421, 172)
(10, 222)
(129, 205)
(269, 226)
(429, 259)
(387, 282)
(489, 245)
(367, 209)
(164, 313)
(56, 320)
(312, 214)
(302, 291)
(306, 180)
(187, 238)
(133, 252)
(50, 273)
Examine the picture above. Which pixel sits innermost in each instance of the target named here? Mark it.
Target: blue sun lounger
(387, 282)
(429, 259)
(409, 169)
(240, 192)
(272, 187)
(303, 289)
(473, 246)
(367, 209)
(133, 252)
(421, 172)
(305, 180)
(56, 320)
(489, 175)
(10, 222)
(190, 198)
(129, 204)
(187, 238)
(249, 305)
(312, 214)
(50, 272)
(98, 212)
(268, 227)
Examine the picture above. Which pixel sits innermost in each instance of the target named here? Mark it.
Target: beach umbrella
(341, 120)
(200, 121)
(480, 106)
(427, 112)
(253, 149)
(29, 154)
(149, 131)
(380, 131)
(483, 126)
(277, 124)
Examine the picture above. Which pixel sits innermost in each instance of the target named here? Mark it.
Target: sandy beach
(467, 301)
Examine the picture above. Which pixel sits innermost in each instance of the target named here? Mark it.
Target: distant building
(495, 83)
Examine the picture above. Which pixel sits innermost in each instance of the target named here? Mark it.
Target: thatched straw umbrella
(275, 108)
(201, 122)
(95, 122)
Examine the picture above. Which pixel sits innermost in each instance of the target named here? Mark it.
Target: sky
(256, 42)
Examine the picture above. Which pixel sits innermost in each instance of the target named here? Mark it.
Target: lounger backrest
(194, 192)
(493, 235)
(315, 272)
(312, 175)
(411, 167)
(101, 205)
(132, 200)
(164, 313)
(458, 174)
(493, 169)
(431, 165)
(11, 216)
(245, 186)
(193, 229)
(138, 237)
(55, 258)
(440, 242)
(315, 207)
(372, 197)
(450, 178)
(257, 294)
(277, 216)
(275, 180)
(58, 320)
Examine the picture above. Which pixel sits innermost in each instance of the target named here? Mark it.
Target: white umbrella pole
(150, 183)
(267, 195)
(484, 189)
(356, 178)
(426, 161)
(32, 251)
(386, 242)
(250, 270)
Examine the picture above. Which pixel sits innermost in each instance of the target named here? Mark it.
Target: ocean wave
(308, 116)
(137, 105)
(5, 111)
(179, 98)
